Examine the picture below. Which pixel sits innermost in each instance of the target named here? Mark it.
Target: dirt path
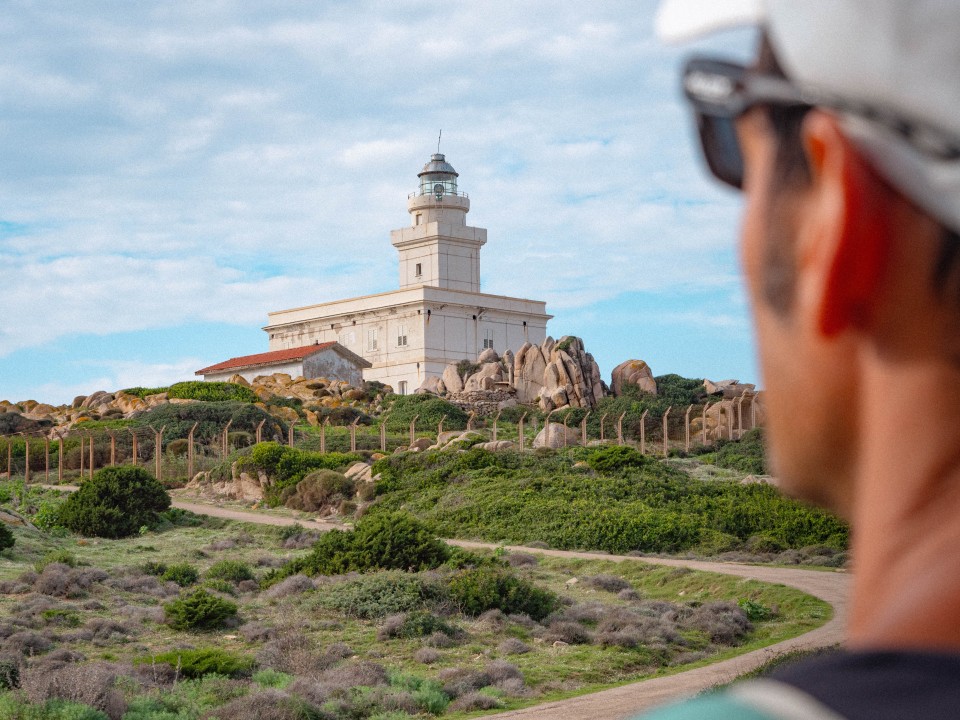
(623, 701)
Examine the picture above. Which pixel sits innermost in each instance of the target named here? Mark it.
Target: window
(418, 270)
(348, 338)
(402, 387)
(372, 339)
(487, 339)
(419, 218)
(401, 336)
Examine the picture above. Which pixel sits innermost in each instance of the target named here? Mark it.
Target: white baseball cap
(899, 57)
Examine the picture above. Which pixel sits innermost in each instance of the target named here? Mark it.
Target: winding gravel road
(626, 700)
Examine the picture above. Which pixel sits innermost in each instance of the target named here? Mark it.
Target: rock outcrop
(633, 372)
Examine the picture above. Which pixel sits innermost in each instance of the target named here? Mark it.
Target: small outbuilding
(329, 360)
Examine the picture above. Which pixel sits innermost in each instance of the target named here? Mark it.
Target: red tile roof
(267, 358)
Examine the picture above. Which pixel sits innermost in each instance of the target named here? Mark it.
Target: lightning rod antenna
(438, 140)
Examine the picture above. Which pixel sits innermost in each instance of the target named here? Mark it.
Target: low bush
(609, 583)
(476, 590)
(63, 557)
(389, 541)
(7, 539)
(233, 571)
(199, 610)
(415, 624)
(183, 574)
(269, 704)
(319, 489)
(287, 466)
(195, 663)
(429, 410)
(617, 458)
(211, 391)
(116, 502)
(385, 593)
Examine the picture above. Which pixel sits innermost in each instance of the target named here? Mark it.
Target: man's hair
(791, 172)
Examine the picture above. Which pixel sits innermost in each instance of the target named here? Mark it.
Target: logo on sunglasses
(708, 86)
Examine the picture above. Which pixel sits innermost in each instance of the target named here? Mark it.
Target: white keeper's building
(438, 315)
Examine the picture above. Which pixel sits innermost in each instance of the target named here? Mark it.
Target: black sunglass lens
(721, 148)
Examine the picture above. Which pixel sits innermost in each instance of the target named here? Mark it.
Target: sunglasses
(721, 91)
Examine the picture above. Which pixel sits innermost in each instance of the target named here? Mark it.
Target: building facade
(327, 360)
(438, 315)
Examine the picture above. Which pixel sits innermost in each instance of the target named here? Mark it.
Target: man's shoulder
(842, 685)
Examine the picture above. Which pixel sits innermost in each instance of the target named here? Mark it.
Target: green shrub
(63, 557)
(183, 574)
(199, 610)
(142, 392)
(116, 502)
(746, 455)
(384, 593)
(201, 661)
(287, 466)
(17, 707)
(211, 418)
(616, 458)
(272, 678)
(476, 590)
(230, 570)
(212, 392)
(419, 623)
(387, 541)
(9, 672)
(321, 488)
(430, 410)
(7, 539)
(221, 586)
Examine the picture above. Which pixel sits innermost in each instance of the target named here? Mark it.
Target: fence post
(730, 422)
(686, 427)
(643, 433)
(113, 447)
(566, 419)
(158, 452)
(26, 460)
(666, 432)
(223, 439)
(190, 452)
(583, 429)
(383, 433)
(46, 455)
(602, 419)
(439, 428)
(90, 450)
(260, 431)
(9, 460)
(740, 415)
(413, 430)
(520, 437)
(323, 435)
(495, 421)
(473, 415)
(290, 434)
(620, 429)
(60, 459)
(83, 454)
(133, 433)
(703, 430)
(353, 434)
(753, 410)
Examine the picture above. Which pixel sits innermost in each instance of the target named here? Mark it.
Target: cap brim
(682, 20)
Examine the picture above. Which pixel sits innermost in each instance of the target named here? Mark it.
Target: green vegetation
(143, 392)
(183, 574)
(199, 610)
(6, 537)
(476, 590)
(233, 571)
(178, 418)
(115, 502)
(428, 409)
(640, 504)
(745, 455)
(287, 466)
(211, 392)
(385, 541)
(195, 663)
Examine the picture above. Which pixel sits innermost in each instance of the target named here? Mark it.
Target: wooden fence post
(703, 430)
(602, 419)
(520, 433)
(353, 434)
(413, 430)
(158, 452)
(566, 419)
(26, 465)
(686, 426)
(323, 435)
(90, 444)
(83, 455)
(9, 459)
(620, 429)
(583, 429)
(113, 447)
(730, 422)
(290, 434)
(260, 431)
(740, 416)
(383, 433)
(666, 432)
(548, 428)
(60, 459)
(473, 415)
(133, 434)
(190, 452)
(46, 455)
(643, 433)
(496, 420)
(440, 427)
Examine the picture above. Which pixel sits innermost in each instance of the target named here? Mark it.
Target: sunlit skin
(862, 380)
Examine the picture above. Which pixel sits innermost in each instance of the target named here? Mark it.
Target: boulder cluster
(552, 375)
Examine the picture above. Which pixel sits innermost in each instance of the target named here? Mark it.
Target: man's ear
(851, 230)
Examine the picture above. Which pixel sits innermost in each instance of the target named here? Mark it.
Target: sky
(170, 172)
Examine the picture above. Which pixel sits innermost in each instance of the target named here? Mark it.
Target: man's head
(852, 187)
